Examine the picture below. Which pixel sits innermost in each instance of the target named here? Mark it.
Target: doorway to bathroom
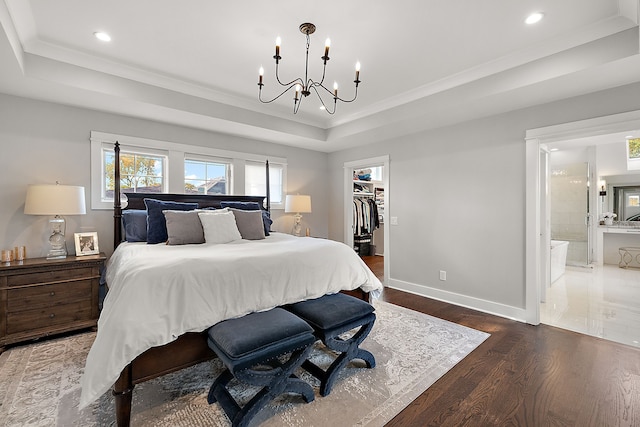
(601, 301)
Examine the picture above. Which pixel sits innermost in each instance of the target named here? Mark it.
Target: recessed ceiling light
(102, 36)
(534, 17)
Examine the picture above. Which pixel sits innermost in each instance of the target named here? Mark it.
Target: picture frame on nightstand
(86, 243)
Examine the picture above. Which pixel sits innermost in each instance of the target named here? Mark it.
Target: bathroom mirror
(623, 192)
(626, 203)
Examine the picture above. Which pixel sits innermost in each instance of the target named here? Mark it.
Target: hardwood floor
(525, 375)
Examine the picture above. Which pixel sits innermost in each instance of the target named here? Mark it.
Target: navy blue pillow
(251, 206)
(156, 222)
(135, 225)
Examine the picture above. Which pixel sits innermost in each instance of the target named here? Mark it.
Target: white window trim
(176, 154)
(211, 159)
(145, 151)
(275, 205)
(633, 163)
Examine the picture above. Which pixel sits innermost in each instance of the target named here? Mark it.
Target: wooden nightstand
(40, 297)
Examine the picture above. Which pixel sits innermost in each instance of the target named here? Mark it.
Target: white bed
(159, 292)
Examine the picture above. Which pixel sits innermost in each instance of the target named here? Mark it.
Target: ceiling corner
(630, 9)
(9, 27)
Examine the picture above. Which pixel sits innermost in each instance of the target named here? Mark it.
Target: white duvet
(158, 292)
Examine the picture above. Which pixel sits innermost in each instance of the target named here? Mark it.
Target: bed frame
(190, 348)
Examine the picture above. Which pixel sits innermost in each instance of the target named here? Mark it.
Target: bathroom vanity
(610, 238)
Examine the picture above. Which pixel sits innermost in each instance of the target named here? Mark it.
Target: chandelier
(304, 87)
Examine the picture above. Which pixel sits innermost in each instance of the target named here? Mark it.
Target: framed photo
(86, 243)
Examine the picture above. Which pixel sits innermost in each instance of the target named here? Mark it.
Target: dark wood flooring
(524, 375)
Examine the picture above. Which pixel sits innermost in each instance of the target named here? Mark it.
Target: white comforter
(158, 292)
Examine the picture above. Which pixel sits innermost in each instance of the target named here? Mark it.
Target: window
(206, 177)
(255, 182)
(152, 166)
(633, 153)
(139, 172)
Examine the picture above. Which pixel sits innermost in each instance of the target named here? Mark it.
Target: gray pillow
(249, 224)
(183, 227)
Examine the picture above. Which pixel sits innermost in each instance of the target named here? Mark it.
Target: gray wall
(459, 195)
(42, 143)
(458, 191)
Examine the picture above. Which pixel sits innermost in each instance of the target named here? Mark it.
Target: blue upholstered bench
(330, 316)
(256, 341)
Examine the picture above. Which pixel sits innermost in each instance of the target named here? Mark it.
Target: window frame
(274, 205)
(174, 166)
(214, 160)
(136, 152)
(633, 163)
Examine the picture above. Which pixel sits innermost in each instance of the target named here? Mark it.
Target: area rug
(40, 383)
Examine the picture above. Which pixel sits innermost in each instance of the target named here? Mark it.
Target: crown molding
(588, 34)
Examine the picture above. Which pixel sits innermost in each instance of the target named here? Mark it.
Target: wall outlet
(394, 220)
(443, 275)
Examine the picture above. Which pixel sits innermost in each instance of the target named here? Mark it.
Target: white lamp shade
(299, 203)
(55, 200)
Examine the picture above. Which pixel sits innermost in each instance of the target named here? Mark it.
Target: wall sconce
(55, 200)
(298, 203)
(603, 188)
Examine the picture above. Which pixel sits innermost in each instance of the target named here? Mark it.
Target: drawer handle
(52, 315)
(52, 293)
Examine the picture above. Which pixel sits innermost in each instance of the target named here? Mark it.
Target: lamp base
(297, 227)
(57, 254)
(57, 240)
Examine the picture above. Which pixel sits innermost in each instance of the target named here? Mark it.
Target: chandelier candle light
(303, 87)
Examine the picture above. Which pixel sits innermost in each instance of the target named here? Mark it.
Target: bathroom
(583, 184)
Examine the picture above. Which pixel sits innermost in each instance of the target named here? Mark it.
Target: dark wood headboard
(136, 200)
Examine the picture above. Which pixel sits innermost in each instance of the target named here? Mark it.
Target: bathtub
(558, 258)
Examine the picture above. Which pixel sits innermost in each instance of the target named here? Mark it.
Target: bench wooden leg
(274, 382)
(349, 349)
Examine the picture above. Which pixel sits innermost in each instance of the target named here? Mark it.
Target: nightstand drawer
(34, 297)
(29, 320)
(49, 276)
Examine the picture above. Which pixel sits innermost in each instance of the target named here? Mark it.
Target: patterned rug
(40, 383)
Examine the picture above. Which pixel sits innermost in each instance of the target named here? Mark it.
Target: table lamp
(55, 200)
(298, 203)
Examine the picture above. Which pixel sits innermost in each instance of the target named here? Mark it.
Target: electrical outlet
(443, 275)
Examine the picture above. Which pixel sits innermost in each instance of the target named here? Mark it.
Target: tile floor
(602, 302)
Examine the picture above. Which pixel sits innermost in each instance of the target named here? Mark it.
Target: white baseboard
(485, 306)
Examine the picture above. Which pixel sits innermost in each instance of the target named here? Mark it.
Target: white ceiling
(425, 63)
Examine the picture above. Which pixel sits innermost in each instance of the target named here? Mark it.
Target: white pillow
(219, 227)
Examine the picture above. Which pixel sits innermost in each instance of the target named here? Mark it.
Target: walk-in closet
(368, 211)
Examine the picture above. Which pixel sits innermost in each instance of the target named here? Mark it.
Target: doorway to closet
(366, 201)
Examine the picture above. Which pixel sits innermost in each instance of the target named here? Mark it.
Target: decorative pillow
(219, 227)
(135, 225)
(245, 206)
(183, 227)
(156, 224)
(251, 206)
(249, 224)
